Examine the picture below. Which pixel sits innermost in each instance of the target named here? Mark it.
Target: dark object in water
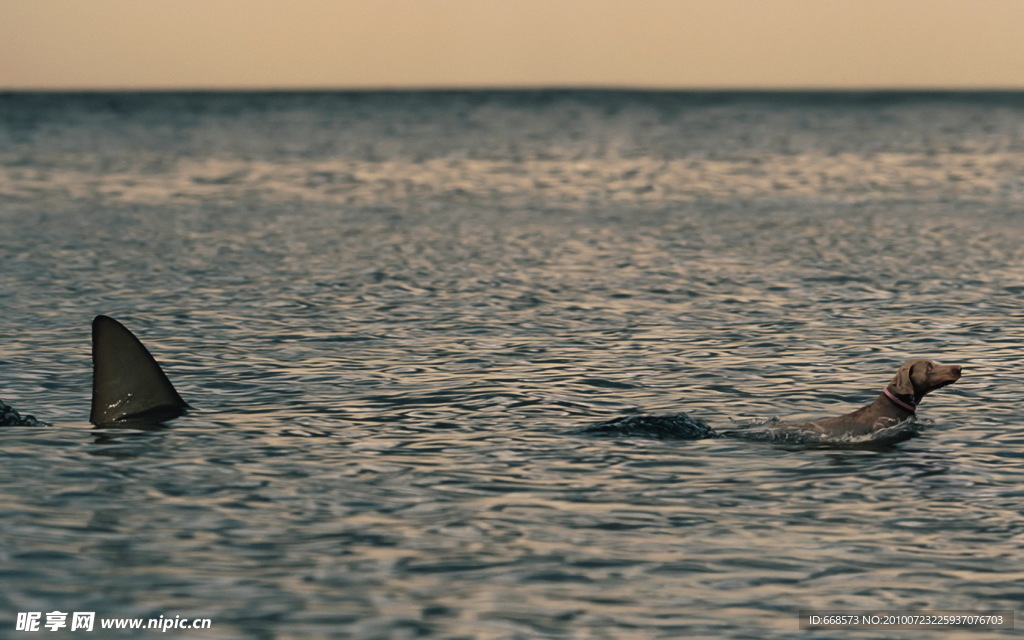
(11, 418)
(128, 386)
(678, 426)
(682, 426)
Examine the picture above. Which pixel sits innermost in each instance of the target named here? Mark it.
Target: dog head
(919, 377)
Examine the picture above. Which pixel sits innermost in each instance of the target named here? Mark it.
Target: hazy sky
(114, 44)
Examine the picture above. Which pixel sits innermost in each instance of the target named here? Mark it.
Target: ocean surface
(389, 310)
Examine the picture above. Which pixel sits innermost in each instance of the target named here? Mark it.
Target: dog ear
(902, 384)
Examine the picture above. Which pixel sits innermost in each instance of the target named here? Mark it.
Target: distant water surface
(388, 309)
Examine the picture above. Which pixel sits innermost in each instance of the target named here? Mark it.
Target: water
(389, 309)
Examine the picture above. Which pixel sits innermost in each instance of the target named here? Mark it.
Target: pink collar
(909, 406)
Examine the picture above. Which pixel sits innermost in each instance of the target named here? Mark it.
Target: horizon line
(526, 88)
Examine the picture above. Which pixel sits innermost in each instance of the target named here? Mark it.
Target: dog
(897, 402)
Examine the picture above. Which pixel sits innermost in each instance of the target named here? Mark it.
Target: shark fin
(127, 383)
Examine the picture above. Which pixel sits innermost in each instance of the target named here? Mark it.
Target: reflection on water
(389, 309)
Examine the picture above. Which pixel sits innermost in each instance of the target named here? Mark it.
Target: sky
(370, 44)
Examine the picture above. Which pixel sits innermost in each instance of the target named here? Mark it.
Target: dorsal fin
(127, 383)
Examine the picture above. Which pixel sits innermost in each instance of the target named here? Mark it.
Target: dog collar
(909, 406)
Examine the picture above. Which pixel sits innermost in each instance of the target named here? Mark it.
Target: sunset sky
(272, 44)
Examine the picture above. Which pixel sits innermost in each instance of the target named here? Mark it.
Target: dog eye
(930, 365)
